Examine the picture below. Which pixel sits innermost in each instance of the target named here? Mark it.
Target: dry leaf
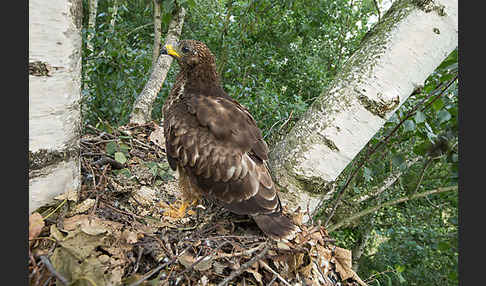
(342, 260)
(129, 236)
(83, 206)
(258, 276)
(186, 259)
(205, 264)
(70, 195)
(219, 267)
(36, 223)
(55, 233)
(283, 245)
(157, 137)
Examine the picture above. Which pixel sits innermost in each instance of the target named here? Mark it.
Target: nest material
(116, 231)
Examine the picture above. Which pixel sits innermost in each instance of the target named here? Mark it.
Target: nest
(117, 229)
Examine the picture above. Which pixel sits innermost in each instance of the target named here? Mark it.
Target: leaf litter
(116, 231)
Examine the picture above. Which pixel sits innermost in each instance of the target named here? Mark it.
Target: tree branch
(142, 107)
(387, 204)
(388, 182)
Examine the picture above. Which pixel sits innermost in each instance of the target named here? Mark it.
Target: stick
(245, 266)
(53, 271)
(274, 272)
(151, 272)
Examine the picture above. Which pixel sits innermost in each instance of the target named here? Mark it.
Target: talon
(180, 212)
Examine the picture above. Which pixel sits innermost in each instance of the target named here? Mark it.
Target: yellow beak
(170, 51)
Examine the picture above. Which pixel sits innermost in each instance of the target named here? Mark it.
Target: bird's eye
(185, 49)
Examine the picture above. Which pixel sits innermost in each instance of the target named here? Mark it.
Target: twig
(60, 205)
(377, 10)
(107, 160)
(53, 271)
(273, 280)
(245, 266)
(139, 256)
(274, 272)
(120, 211)
(286, 121)
(140, 27)
(246, 252)
(389, 203)
(151, 272)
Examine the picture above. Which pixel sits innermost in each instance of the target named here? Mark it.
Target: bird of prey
(215, 145)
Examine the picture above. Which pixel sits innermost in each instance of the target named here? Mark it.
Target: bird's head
(189, 53)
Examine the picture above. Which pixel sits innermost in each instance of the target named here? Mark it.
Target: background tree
(54, 93)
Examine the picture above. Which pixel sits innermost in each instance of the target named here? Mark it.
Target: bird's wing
(217, 143)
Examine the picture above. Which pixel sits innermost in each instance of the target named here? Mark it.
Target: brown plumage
(215, 144)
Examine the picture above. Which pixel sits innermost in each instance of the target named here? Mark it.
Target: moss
(77, 12)
(38, 68)
(43, 157)
(429, 5)
(379, 108)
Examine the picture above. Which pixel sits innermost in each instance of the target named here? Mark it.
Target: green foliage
(418, 237)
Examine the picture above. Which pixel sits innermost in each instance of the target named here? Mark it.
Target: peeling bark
(393, 60)
(142, 107)
(54, 93)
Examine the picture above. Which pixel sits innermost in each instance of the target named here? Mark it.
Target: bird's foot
(180, 212)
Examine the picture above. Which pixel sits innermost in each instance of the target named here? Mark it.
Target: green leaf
(124, 148)
(120, 157)
(443, 115)
(443, 246)
(408, 125)
(111, 148)
(422, 148)
(400, 278)
(389, 281)
(399, 268)
(455, 157)
(438, 104)
(419, 117)
(191, 4)
(166, 18)
(453, 275)
(398, 159)
(367, 173)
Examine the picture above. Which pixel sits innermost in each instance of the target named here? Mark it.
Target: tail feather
(276, 225)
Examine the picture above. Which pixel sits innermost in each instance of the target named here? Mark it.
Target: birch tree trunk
(400, 52)
(93, 11)
(157, 32)
(113, 16)
(142, 107)
(54, 93)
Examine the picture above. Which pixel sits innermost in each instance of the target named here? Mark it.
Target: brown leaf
(342, 260)
(186, 259)
(36, 223)
(258, 276)
(129, 236)
(157, 137)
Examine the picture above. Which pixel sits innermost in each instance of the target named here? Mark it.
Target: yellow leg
(180, 212)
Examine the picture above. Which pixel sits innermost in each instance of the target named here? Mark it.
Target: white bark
(93, 11)
(113, 16)
(396, 58)
(157, 32)
(142, 107)
(54, 113)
